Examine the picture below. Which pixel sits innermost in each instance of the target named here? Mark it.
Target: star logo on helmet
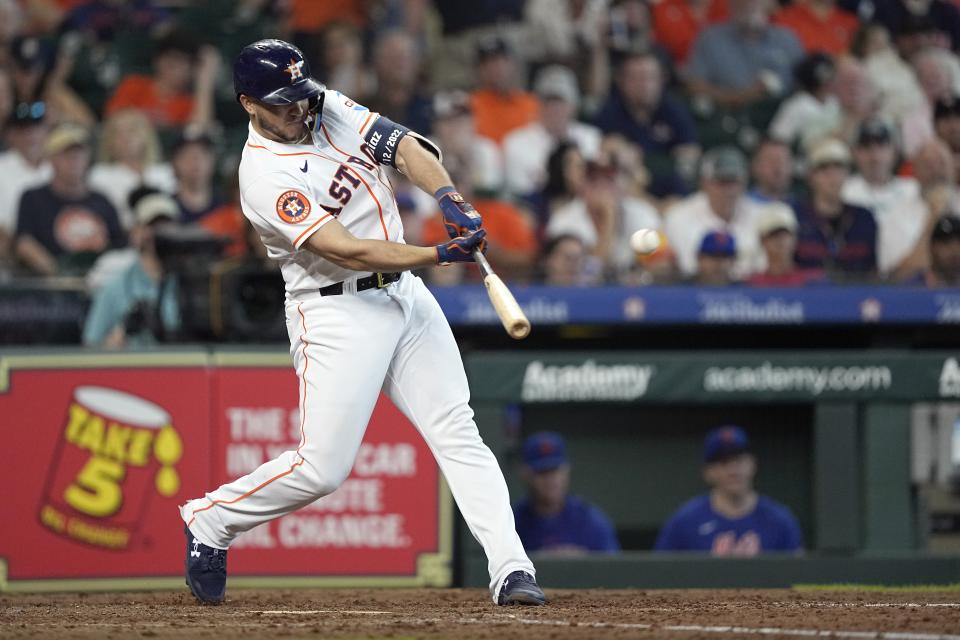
(295, 70)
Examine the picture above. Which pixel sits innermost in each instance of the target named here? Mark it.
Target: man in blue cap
(549, 518)
(732, 519)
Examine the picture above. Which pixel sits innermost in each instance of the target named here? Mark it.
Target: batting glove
(461, 249)
(459, 216)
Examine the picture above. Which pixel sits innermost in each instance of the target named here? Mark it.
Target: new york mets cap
(725, 442)
(719, 244)
(544, 451)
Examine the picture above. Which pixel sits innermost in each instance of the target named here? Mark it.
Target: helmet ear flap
(315, 110)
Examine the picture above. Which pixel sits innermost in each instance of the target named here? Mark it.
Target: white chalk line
(507, 618)
(307, 612)
(817, 605)
(919, 605)
(765, 631)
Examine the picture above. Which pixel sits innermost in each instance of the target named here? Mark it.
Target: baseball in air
(645, 241)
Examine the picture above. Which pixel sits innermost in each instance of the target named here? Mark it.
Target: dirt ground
(466, 614)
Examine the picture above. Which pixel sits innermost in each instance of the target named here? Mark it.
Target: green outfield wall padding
(649, 571)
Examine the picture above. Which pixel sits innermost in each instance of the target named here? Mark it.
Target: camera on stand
(219, 299)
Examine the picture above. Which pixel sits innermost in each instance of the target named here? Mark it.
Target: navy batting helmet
(274, 72)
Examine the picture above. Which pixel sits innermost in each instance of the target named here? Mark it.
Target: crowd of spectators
(771, 143)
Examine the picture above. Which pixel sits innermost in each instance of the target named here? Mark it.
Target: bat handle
(481, 260)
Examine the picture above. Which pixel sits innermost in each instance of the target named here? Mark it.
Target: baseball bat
(511, 315)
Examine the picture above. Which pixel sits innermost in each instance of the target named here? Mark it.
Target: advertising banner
(755, 377)
(469, 306)
(378, 523)
(100, 450)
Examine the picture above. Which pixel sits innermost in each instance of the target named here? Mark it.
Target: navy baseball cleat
(206, 570)
(521, 588)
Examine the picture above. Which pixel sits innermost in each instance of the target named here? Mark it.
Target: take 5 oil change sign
(99, 451)
(117, 450)
(94, 462)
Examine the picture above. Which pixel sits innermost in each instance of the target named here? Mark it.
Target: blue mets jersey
(697, 527)
(580, 526)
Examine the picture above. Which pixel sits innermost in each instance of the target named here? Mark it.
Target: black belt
(374, 280)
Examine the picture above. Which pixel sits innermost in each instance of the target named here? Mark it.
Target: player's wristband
(461, 249)
(459, 216)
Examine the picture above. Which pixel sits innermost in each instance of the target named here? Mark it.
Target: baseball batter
(312, 183)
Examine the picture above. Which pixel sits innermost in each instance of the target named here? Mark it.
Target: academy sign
(950, 379)
(585, 382)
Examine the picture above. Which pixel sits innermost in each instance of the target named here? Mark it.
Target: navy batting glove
(459, 216)
(461, 249)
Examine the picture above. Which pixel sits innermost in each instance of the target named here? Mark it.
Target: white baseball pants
(346, 349)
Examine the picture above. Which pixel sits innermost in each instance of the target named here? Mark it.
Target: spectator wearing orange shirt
(498, 105)
(513, 244)
(676, 23)
(311, 16)
(819, 25)
(228, 220)
(181, 89)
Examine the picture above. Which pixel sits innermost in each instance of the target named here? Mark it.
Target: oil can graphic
(116, 451)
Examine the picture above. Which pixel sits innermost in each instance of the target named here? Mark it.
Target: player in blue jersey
(732, 519)
(549, 518)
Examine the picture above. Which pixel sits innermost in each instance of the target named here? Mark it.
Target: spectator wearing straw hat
(833, 235)
(777, 228)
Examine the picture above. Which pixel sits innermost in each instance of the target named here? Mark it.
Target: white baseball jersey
(289, 191)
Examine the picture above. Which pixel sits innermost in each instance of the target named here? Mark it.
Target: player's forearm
(380, 255)
(421, 166)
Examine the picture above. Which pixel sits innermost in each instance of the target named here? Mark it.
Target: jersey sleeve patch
(293, 207)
